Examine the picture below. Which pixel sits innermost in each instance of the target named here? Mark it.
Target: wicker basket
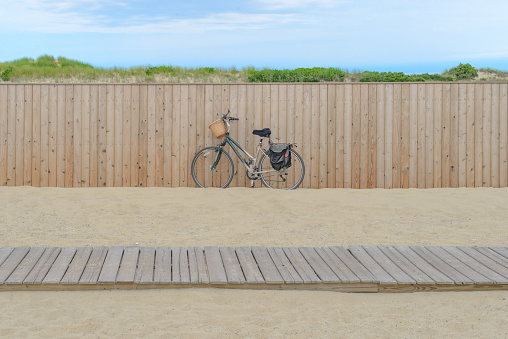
(218, 128)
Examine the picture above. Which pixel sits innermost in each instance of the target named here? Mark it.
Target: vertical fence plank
(339, 131)
(421, 135)
(77, 119)
(454, 135)
(438, 134)
(429, 136)
(60, 135)
(35, 170)
(404, 137)
(94, 136)
(475, 100)
(48, 134)
(85, 136)
(413, 136)
(175, 164)
(184, 134)
(234, 132)
(306, 134)
(119, 113)
(371, 181)
(126, 135)
(495, 141)
(388, 135)
(11, 136)
(103, 136)
(446, 153)
(470, 135)
(364, 135)
(20, 135)
(332, 135)
(323, 137)
(159, 136)
(110, 137)
(28, 137)
(69, 136)
(241, 114)
(193, 131)
(355, 136)
(396, 136)
(3, 134)
(487, 133)
(314, 136)
(503, 130)
(462, 98)
(299, 108)
(348, 122)
(151, 143)
(380, 112)
(168, 134)
(134, 141)
(201, 127)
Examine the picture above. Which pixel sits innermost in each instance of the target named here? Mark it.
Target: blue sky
(413, 36)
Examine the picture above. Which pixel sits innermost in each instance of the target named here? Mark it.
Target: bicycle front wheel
(202, 172)
(288, 178)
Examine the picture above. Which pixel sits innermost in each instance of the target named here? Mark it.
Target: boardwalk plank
(146, 264)
(94, 266)
(111, 265)
(284, 266)
(202, 267)
(231, 265)
(266, 265)
(475, 265)
(301, 265)
(486, 261)
(4, 253)
(60, 265)
(501, 260)
(319, 266)
(183, 262)
(459, 272)
(26, 266)
(77, 266)
(353, 264)
(175, 264)
(162, 273)
(499, 250)
(338, 267)
(43, 266)
(10, 264)
(128, 265)
(406, 265)
(249, 266)
(396, 272)
(371, 265)
(427, 266)
(216, 271)
(193, 265)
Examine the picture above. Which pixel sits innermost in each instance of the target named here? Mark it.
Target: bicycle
(213, 167)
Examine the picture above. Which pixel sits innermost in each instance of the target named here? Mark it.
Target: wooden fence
(349, 135)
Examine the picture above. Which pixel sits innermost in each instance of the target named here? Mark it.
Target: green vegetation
(62, 70)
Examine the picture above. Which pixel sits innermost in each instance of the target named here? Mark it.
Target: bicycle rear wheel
(201, 168)
(289, 178)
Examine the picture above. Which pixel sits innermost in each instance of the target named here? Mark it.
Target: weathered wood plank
(266, 265)
(500, 250)
(26, 266)
(12, 262)
(180, 265)
(94, 266)
(338, 267)
(406, 265)
(144, 272)
(426, 267)
(216, 271)
(396, 272)
(371, 265)
(4, 253)
(443, 261)
(319, 265)
(193, 266)
(77, 266)
(202, 267)
(485, 260)
(249, 266)
(128, 265)
(284, 266)
(111, 265)
(60, 265)
(501, 260)
(301, 265)
(353, 264)
(162, 274)
(231, 265)
(38, 273)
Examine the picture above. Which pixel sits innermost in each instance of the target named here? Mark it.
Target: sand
(245, 217)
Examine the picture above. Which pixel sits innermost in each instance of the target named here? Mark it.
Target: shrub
(6, 74)
(315, 74)
(463, 72)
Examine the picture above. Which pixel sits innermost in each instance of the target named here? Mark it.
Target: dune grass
(48, 69)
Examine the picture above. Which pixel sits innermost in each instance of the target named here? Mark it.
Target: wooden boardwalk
(353, 269)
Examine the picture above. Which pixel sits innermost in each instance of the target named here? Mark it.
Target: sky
(411, 36)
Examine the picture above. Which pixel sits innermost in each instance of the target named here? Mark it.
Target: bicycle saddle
(265, 132)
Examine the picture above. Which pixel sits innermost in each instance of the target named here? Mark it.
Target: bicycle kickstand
(252, 183)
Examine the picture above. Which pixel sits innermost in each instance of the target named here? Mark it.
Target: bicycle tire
(275, 181)
(201, 171)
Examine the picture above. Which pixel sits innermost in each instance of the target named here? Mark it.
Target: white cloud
(291, 4)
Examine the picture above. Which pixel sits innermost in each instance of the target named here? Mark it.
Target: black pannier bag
(280, 156)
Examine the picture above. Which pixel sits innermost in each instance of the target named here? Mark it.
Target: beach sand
(248, 217)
